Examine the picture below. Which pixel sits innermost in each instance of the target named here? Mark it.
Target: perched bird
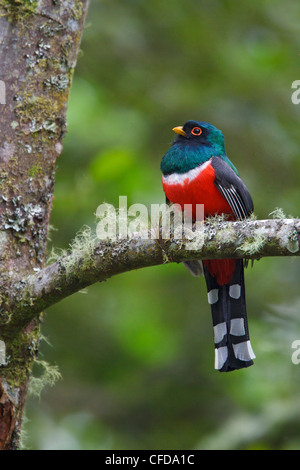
(196, 170)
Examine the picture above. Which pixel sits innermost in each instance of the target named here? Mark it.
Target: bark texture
(39, 41)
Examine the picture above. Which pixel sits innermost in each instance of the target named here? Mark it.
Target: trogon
(195, 171)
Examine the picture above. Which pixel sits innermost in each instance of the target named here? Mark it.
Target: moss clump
(77, 11)
(254, 245)
(18, 10)
(35, 170)
(225, 235)
(49, 376)
(278, 214)
(21, 353)
(37, 110)
(81, 250)
(3, 184)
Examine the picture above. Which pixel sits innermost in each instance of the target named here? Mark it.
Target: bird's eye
(196, 131)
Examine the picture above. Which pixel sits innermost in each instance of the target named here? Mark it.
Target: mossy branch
(91, 260)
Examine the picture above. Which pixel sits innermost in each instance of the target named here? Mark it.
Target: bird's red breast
(197, 187)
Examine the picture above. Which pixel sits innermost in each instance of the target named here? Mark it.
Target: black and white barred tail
(232, 345)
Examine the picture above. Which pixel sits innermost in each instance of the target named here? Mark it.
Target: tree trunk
(39, 42)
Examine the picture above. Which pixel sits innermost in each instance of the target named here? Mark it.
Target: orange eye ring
(196, 131)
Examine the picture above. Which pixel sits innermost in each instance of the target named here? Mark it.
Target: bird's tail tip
(234, 356)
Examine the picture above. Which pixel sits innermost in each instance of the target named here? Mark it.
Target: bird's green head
(196, 142)
(200, 133)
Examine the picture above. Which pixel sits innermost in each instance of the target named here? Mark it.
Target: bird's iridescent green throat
(195, 144)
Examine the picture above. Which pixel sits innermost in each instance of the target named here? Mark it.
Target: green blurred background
(136, 353)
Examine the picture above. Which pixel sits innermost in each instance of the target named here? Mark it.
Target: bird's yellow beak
(179, 130)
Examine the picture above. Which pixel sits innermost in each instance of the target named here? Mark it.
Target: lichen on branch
(90, 260)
